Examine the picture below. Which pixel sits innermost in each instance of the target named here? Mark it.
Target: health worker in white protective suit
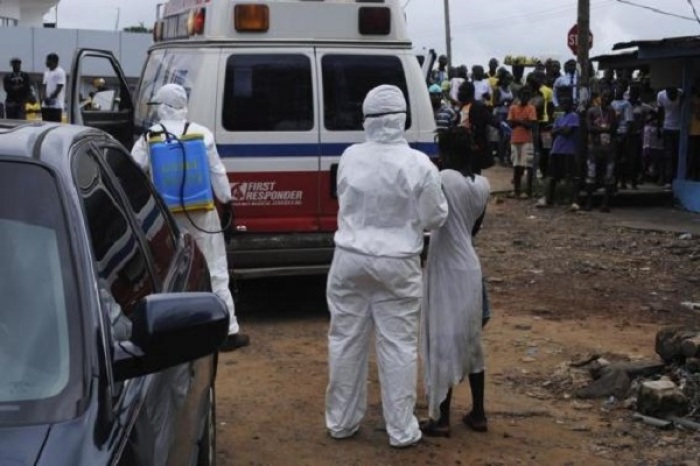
(171, 100)
(389, 194)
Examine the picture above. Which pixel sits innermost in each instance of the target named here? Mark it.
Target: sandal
(431, 428)
(477, 425)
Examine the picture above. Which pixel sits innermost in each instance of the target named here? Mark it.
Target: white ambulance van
(281, 83)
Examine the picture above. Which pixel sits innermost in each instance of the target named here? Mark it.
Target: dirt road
(563, 285)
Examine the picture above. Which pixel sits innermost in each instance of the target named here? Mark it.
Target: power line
(498, 25)
(549, 13)
(656, 10)
(695, 12)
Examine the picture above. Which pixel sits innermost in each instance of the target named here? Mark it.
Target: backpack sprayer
(180, 173)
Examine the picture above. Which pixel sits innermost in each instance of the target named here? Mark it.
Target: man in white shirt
(566, 85)
(482, 87)
(669, 102)
(54, 90)
(456, 80)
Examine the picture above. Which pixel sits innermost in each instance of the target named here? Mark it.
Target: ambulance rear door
(268, 137)
(346, 76)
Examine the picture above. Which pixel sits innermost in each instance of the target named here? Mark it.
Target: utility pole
(584, 94)
(584, 33)
(448, 33)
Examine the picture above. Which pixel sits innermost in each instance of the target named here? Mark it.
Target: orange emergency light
(375, 20)
(252, 18)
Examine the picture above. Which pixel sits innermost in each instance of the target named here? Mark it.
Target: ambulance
(281, 84)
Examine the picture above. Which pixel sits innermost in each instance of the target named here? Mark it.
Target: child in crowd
(653, 147)
(562, 165)
(522, 117)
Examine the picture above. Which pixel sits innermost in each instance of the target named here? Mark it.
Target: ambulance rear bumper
(289, 254)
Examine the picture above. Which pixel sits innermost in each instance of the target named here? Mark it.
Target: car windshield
(39, 345)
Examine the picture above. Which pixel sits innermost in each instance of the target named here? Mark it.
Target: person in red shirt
(522, 116)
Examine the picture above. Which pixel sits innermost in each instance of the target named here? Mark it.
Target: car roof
(45, 142)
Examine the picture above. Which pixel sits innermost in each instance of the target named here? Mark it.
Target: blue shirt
(625, 115)
(565, 144)
(445, 117)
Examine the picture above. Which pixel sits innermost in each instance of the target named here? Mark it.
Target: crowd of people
(532, 122)
(389, 194)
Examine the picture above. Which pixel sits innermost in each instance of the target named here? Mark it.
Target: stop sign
(572, 39)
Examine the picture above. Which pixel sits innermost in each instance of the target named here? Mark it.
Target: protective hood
(384, 109)
(171, 100)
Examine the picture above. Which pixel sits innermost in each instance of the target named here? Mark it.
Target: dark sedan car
(108, 331)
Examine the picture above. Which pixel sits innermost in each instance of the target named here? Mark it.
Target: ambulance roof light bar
(251, 18)
(374, 20)
(255, 17)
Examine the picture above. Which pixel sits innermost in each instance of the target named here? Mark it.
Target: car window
(40, 337)
(268, 93)
(148, 210)
(116, 251)
(99, 88)
(346, 81)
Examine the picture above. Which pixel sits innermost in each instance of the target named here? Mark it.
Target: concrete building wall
(33, 44)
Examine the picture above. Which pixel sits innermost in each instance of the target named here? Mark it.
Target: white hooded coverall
(172, 113)
(388, 195)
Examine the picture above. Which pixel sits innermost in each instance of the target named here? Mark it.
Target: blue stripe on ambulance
(302, 150)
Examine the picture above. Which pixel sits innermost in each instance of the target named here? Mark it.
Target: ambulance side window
(268, 93)
(346, 81)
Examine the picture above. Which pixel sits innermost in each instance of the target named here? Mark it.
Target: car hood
(20, 446)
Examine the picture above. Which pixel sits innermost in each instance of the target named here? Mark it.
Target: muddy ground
(563, 285)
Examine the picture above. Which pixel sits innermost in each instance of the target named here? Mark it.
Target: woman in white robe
(453, 316)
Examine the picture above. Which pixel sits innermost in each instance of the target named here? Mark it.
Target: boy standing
(602, 126)
(563, 159)
(522, 116)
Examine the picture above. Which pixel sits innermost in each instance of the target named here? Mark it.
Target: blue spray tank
(180, 171)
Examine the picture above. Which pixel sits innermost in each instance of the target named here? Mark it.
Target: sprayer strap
(187, 126)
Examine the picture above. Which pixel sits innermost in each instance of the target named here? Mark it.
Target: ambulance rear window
(346, 81)
(270, 92)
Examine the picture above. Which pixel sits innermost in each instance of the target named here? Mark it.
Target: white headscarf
(384, 109)
(172, 103)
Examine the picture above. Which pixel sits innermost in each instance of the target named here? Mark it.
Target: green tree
(140, 28)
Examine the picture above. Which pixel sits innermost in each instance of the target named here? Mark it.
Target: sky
(480, 29)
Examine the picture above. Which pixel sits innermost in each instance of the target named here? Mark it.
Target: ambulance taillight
(200, 19)
(252, 18)
(375, 21)
(195, 22)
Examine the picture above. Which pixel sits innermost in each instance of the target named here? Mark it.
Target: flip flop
(430, 428)
(477, 425)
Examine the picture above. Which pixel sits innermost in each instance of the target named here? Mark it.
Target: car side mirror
(171, 329)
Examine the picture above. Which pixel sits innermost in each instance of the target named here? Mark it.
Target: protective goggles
(377, 115)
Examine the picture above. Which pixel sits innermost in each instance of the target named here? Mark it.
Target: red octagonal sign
(572, 39)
